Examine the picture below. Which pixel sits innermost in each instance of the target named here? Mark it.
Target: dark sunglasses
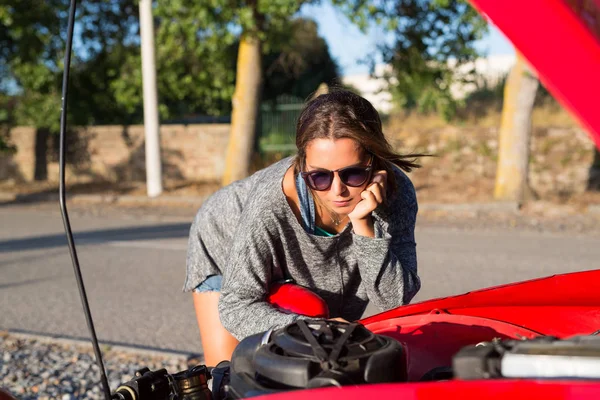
(322, 179)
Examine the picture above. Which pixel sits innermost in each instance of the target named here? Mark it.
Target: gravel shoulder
(44, 368)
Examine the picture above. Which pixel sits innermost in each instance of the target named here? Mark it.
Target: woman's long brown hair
(343, 114)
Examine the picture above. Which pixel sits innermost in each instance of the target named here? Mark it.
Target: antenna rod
(63, 204)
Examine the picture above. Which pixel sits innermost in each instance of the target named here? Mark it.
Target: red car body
(433, 331)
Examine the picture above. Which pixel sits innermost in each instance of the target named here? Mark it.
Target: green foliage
(432, 39)
(298, 62)
(196, 50)
(28, 55)
(26, 31)
(108, 35)
(194, 60)
(196, 55)
(487, 96)
(32, 39)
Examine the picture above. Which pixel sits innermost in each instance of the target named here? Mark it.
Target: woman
(338, 219)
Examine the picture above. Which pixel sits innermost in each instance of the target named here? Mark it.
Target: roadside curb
(103, 199)
(503, 207)
(141, 200)
(7, 197)
(105, 347)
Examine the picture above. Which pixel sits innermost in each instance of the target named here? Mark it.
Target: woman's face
(333, 154)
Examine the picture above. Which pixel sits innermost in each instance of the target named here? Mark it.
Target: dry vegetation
(463, 165)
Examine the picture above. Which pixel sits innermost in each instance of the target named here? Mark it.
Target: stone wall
(190, 152)
(20, 165)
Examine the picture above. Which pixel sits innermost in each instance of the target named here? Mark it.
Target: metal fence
(277, 125)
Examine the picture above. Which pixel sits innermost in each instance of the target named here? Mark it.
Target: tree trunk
(594, 178)
(515, 131)
(244, 116)
(41, 154)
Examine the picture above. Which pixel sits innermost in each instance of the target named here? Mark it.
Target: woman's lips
(341, 203)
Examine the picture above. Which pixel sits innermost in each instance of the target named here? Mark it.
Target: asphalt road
(133, 265)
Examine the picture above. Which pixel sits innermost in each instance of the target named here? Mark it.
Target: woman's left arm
(388, 264)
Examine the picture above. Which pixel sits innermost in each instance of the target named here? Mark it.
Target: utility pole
(151, 127)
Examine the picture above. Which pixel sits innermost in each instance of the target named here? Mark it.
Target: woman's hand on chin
(372, 197)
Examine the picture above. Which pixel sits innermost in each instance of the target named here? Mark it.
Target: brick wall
(191, 152)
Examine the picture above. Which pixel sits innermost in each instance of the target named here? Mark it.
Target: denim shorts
(210, 284)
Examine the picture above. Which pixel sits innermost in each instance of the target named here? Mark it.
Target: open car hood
(561, 40)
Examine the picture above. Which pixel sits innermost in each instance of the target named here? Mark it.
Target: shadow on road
(27, 282)
(27, 259)
(169, 231)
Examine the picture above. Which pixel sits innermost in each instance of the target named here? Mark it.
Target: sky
(348, 45)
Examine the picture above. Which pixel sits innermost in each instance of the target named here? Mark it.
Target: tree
(195, 56)
(197, 52)
(297, 62)
(257, 18)
(29, 61)
(515, 131)
(594, 177)
(107, 33)
(432, 41)
(32, 39)
(6, 121)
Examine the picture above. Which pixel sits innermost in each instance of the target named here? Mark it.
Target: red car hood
(432, 332)
(486, 389)
(558, 305)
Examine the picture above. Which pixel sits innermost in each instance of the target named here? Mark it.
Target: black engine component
(544, 357)
(190, 384)
(310, 354)
(145, 385)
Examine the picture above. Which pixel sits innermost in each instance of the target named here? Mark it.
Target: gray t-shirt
(248, 232)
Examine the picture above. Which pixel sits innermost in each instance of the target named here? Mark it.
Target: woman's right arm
(242, 306)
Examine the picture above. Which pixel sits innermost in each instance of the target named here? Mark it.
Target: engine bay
(318, 354)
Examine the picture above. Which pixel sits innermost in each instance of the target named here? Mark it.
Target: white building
(372, 89)
(492, 69)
